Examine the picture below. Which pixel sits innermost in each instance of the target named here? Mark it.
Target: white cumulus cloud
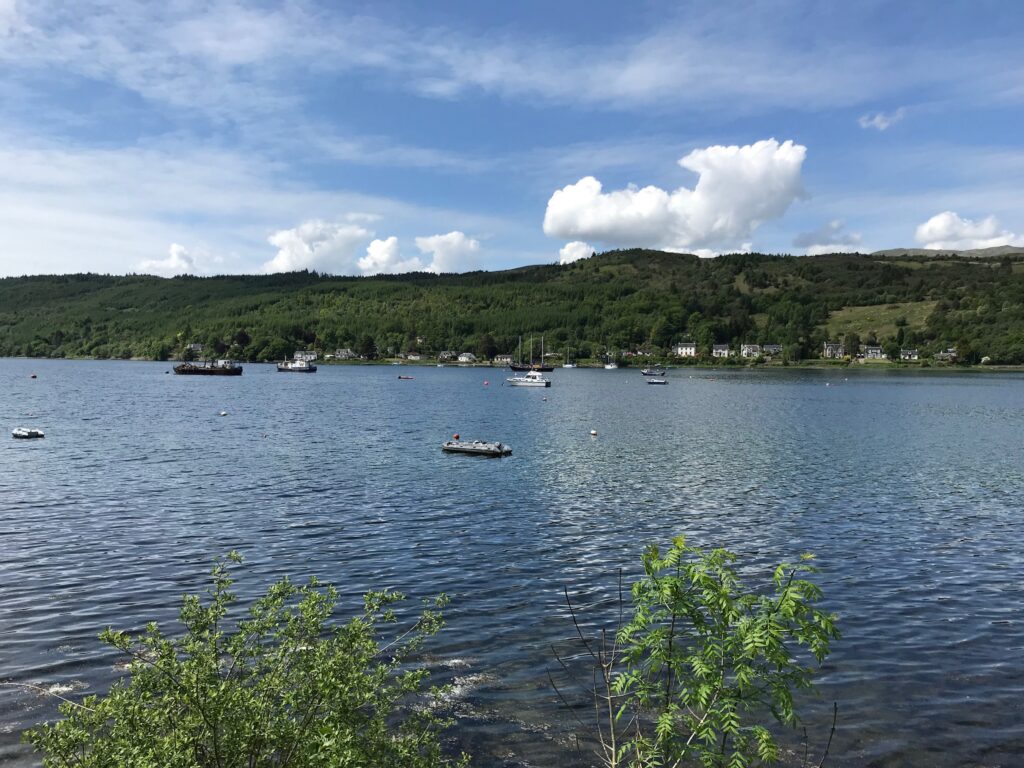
(316, 244)
(830, 237)
(385, 257)
(881, 121)
(453, 252)
(738, 188)
(947, 231)
(574, 251)
(178, 262)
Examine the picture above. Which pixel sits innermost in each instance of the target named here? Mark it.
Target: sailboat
(567, 364)
(519, 365)
(609, 364)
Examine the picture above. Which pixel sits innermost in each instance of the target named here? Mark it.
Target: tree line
(627, 299)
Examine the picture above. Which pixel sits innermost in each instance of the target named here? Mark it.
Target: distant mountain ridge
(994, 251)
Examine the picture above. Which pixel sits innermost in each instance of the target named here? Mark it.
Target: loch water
(909, 488)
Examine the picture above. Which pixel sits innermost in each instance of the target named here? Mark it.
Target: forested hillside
(628, 299)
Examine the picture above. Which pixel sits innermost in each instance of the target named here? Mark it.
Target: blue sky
(357, 138)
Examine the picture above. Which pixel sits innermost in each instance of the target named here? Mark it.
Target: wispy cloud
(86, 209)
(224, 58)
(881, 121)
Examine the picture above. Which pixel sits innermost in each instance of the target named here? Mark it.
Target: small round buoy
(593, 433)
(455, 436)
(223, 413)
(486, 383)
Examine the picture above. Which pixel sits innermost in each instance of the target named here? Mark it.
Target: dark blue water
(908, 488)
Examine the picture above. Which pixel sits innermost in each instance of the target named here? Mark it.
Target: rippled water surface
(909, 488)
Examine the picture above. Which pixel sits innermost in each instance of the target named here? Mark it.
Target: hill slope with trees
(627, 299)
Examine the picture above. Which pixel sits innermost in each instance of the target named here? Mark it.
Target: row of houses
(835, 350)
(689, 349)
(832, 350)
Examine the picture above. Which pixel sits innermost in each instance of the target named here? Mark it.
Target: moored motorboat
(657, 381)
(530, 379)
(477, 448)
(26, 433)
(296, 366)
(652, 372)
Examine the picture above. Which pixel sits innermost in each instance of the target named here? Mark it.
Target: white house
(949, 355)
(467, 357)
(686, 349)
(502, 359)
(874, 353)
(446, 355)
(305, 354)
(908, 354)
(414, 356)
(833, 350)
(750, 350)
(720, 350)
(345, 354)
(195, 348)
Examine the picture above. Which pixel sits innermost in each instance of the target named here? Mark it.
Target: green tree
(704, 659)
(367, 347)
(285, 688)
(486, 347)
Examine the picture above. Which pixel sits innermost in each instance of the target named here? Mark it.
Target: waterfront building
(750, 350)
(833, 350)
(720, 350)
(685, 349)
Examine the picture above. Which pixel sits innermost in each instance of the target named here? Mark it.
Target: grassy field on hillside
(882, 319)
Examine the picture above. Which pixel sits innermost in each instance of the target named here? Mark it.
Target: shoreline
(812, 365)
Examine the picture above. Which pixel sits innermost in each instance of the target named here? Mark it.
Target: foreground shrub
(705, 664)
(282, 688)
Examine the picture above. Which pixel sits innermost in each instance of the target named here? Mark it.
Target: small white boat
(658, 380)
(296, 366)
(26, 433)
(477, 448)
(529, 379)
(652, 372)
(610, 366)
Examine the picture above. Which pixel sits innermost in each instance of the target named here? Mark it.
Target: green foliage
(705, 662)
(285, 688)
(621, 299)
